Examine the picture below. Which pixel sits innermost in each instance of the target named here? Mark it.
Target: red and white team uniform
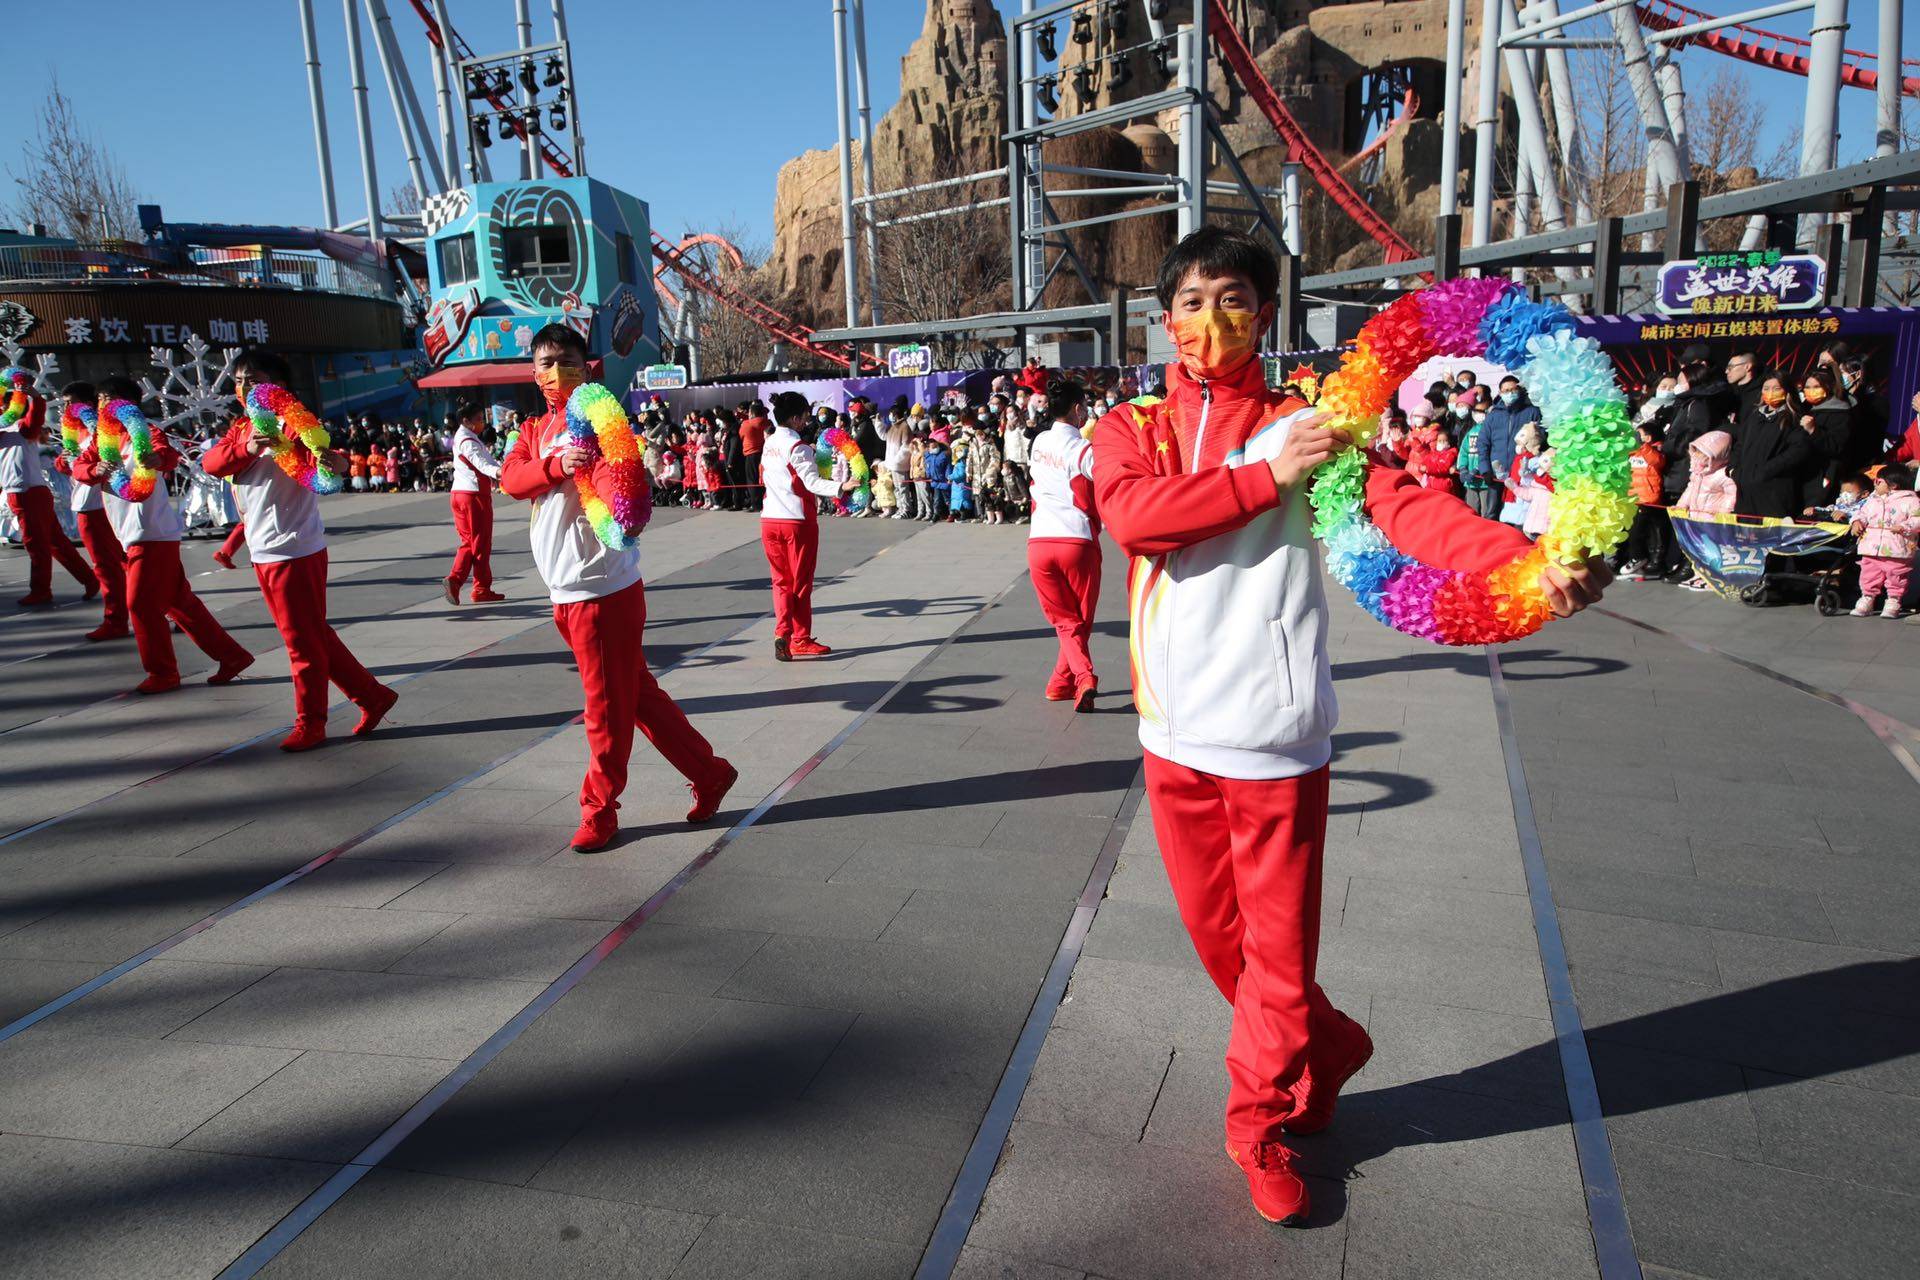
(103, 549)
(1063, 551)
(287, 542)
(1235, 694)
(474, 471)
(23, 478)
(600, 608)
(157, 590)
(790, 533)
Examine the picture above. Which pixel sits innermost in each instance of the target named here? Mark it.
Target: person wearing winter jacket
(1651, 531)
(790, 525)
(1702, 402)
(1888, 527)
(1772, 455)
(1827, 418)
(1710, 489)
(1500, 433)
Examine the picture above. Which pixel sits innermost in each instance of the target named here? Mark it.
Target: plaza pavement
(859, 1025)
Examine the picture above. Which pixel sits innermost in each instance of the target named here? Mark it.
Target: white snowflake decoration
(45, 366)
(194, 393)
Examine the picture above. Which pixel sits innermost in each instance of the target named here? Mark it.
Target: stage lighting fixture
(558, 116)
(1049, 45)
(482, 134)
(1083, 84)
(1117, 19)
(476, 84)
(1158, 9)
(1118, 72)
(1169, 58)
(1083, 26)
(529, 77)
(1044, 90)
(554, 73)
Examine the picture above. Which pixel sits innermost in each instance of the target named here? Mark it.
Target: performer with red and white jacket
(287, 542)
(474, 471)
(1063, 543)
(600, 607)
(158, 593)
(23, 478)
(790, 526)
(1206, 490)
(96, 533)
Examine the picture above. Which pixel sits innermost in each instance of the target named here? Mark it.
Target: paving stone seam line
(308, 1211)
(546, 619)
(950, 1233)
(1893, 733)
(1599, 1176)
(165, 945)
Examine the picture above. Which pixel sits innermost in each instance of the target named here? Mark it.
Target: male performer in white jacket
(474, 471)
(790, 526)
(1063, 546)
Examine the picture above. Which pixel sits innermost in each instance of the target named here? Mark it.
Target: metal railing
(94, 262)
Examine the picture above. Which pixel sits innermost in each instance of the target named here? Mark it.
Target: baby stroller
(1769, 560)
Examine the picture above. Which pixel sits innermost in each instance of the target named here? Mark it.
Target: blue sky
(691, 104)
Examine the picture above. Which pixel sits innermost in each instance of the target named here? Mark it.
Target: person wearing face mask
(1511, 412)
(790, 525)
(600, 606)
(1828, 422)
(1206, 490)
(1772, 454)
(1063, 547)
(287, 542)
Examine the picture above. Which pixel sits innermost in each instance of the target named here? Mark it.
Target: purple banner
(1746, 283)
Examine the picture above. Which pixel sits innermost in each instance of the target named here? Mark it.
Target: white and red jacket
(474, 466)
(21, 467)
(572, 560)
(1062, 463)
(153, 520)
(791, 478)
(81, 497)
(281, 514)
(1229, 620)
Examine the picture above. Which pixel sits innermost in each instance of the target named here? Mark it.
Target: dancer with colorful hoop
(1063, 543)
(146, 524)
(579, 465)
(89, 509)
(278, 460)
(475, 471)
(1230, 667)
(23, 478)
(790, 524)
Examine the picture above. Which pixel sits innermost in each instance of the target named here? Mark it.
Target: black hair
(81, 392)
(1860, 478)
(559, 335)
(466, 407)
(1437, 394)
(1063, 394)
(1896, 475)
(1825, 379)
(788, 405)
(1509, 378)
(1216, 251)
(263, 366)
(120, 387)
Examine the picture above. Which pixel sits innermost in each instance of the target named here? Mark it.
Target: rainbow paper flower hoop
(124, 440)
(836, 441)
(597, 423)
(18, 383)
(278, 414)
(1584, 413)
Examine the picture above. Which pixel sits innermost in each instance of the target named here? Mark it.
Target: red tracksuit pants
(158, 594)
(793, 548)
(236, 538)
(109, 565)
(473, 521)
(621, 693)
(1066, 577)
(296, 592)
(1244, 858)
(46, 542)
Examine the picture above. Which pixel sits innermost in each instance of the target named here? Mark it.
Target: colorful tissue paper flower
(1451, 311)
(17, 384)
(124, 441)
(297, 439)
(597, 424)
(1513, 320)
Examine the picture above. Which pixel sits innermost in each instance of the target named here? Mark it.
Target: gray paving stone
(844, 973)
(1495, 1055)
(511, 948)
(678, 958)
(122, 1089)
(724, 899)
(313, 936)
(1874, 981)
(731, 1247)
(764, 1050)
(937, 918)
(457, 1229)
(321, 1106)
(1433, 911)
(25, 984)
(578, 891)
(432, 836)
(1099, 1084)
(1011, 873)
(350, 883)
(1630, 944)
(1393, 1235)
(1684, 900)
(1882, 921)
(1674, 1099)
(1464, 864)
(985, 1264)
(1180, 1007)
(408, 1015)
(1850, 1135)
(158, 997)
(1474, 975)
(937, 1062)
(84, 1210)
(787, 854)
(1137, 932)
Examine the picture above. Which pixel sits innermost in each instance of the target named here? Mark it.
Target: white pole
(363, 119)
(1819, 133)
(443, 89)
(1450, 110)
(1673, 96)
(414, 134)
(329, 209)
(849, 262)
(573, 90)
(1886, 128)
(865, 107)
(1661, 156)
(1533, 130)
(1484, 141)
(1566, 119)
(523, 32)
(1290, 208)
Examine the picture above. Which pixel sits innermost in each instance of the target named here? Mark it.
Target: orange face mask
(1213, 343)
(1813, 393)
(557, 383)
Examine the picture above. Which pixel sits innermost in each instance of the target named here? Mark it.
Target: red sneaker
(305, 736)
(808, 648)
(107, 631)
(34, 601)
(1279, 1194)
(707, 797)
(1350, 1051)
(158, 684)
(372, 713)
(484, 595)
(230, 671)
(450, 588)
(1060, 689)
(596, 831)
(222, 559)
(1084, 694)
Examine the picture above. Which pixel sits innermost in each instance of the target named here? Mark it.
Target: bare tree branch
(69, 182)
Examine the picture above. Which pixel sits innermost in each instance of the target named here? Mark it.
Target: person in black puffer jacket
(1827, 420)
(1701, 404)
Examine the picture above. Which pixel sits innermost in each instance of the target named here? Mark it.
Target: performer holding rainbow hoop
(1206, 490)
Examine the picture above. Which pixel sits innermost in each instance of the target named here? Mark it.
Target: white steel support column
(1019, 67)
(573, 90)
(1673, 96)
(329, 209)
(443, 91)
(1820, 132)
(414, 134)
(1485, 141)
(1535, 159)
(1566, 120)
(1290, 209)
(1886, 127)
(1450, 109)
(864, 107)
(523, 33)
(1661, 156)
(849, 261)
(363, 118)
(1191, 178)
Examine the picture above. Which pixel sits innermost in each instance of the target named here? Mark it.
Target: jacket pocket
(1282, 668)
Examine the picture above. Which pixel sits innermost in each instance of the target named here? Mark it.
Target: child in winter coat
(1440, 463)
(1710, 490)
(377, 467)
(1540, 510)
(1854, 491)
(1888, 526)
(959, 491)
(884, 500)
(1522, 476)
(1014, 486)
(1647, 540)
(939, 482)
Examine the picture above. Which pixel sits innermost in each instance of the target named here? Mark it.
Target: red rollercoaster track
(1859, 69)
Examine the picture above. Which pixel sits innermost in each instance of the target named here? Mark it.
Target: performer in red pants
(1232, 681)
(1063, 543)
(600, 608)
(790, 526)
(96, 532)
(235, 539)
(157, 588)
(474, 471)
(288, 545)
(24, 480)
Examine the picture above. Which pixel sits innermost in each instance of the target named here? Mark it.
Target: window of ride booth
(537, 251)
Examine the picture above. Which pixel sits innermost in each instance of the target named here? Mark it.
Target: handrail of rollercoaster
(1859, 68)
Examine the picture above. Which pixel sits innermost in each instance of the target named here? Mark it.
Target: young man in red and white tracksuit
(23, 478)
(287, 542)
(96, 533)
(790, 526)
(600, 607)
(1063, 544)
(1206, 490)
(158, 594)
(474, 471)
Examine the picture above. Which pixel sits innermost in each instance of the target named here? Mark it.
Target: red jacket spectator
(1033, 377)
